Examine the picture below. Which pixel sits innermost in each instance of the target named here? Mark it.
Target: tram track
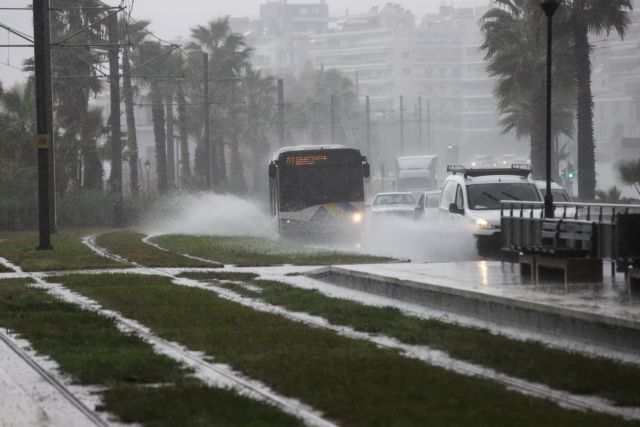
(60, 388)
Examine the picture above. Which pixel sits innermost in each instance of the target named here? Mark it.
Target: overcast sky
(174, 18)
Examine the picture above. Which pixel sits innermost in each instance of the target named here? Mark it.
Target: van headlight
(483, 224)
(356, 217)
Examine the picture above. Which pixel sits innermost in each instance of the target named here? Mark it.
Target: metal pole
(420, 124)
(53, 214)
(401, 125)
(42, 53)
(429, 143)
(548, 197)
(116, 140)
(333, 119)
(281, 112)
(368, 127)
(206, 114)
(171, 171)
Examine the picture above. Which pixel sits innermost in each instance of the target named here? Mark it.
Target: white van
(474, 195)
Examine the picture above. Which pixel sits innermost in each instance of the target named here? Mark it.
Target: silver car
(400, 204)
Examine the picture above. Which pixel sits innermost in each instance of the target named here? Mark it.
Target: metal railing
(600, 212)
(522, 223)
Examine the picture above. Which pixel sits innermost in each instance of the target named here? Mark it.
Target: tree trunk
(236, 174)
(132, 140)
(219, 158)
(92, 165)
(185, 168)
(157, 115)
(171, 176)
(586, 145)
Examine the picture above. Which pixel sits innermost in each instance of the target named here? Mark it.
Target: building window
(406, 54)
(406, 71)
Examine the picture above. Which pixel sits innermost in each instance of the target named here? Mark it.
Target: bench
(569, 246)
(627, 237)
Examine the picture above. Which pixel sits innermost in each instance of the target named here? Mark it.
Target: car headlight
(483, 224)
(356, 217)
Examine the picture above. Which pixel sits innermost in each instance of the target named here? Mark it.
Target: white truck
(416, 173)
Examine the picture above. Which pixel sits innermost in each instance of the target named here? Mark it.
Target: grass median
(255, 252)
(353, 382)
(129, 245)
(69, 252)
(529, 360)
(140, 386)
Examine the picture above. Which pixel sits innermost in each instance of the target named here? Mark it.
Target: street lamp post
(549, 7)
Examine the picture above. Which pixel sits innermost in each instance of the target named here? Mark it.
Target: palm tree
(515, 47)
(71, 96)
(134, 33)
(185, 168)
(591, 16)
(612, 195)
(151, 60)
(630, 173)
(17, 125)
(259, 92)
(228, 60)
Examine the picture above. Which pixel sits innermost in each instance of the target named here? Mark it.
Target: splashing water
(209, 214)
(419, 241)
(228, 215)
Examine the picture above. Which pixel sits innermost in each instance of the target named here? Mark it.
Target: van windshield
(488, 196)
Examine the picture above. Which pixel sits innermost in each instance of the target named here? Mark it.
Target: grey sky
(174, 18)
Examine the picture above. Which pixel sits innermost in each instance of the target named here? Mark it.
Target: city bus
(318, 190)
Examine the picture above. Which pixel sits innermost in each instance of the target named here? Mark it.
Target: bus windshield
(303, 185)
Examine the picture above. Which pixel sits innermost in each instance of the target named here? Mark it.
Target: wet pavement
(611, 297)
(605, 313)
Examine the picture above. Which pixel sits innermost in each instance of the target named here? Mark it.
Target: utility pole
(333, 118)
(53, 212)
(171, 174)
(420, 125)
(357, 86)
(368, 127)
(207, 128)
(42, 53)
(429, 143)
(116, 141)
(281, 112)
(401, 125)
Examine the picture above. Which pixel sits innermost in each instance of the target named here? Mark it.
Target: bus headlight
(356, 218)
(483, 224)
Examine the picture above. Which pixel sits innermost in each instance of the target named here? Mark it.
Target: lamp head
(147, 165)
(550, 6)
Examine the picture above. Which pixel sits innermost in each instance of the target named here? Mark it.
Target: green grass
(129, 244)
(85, 345)
(529, 360)
(353, 382)
(192, 405)
(253, 251)
(93, 351)
(69, 253)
